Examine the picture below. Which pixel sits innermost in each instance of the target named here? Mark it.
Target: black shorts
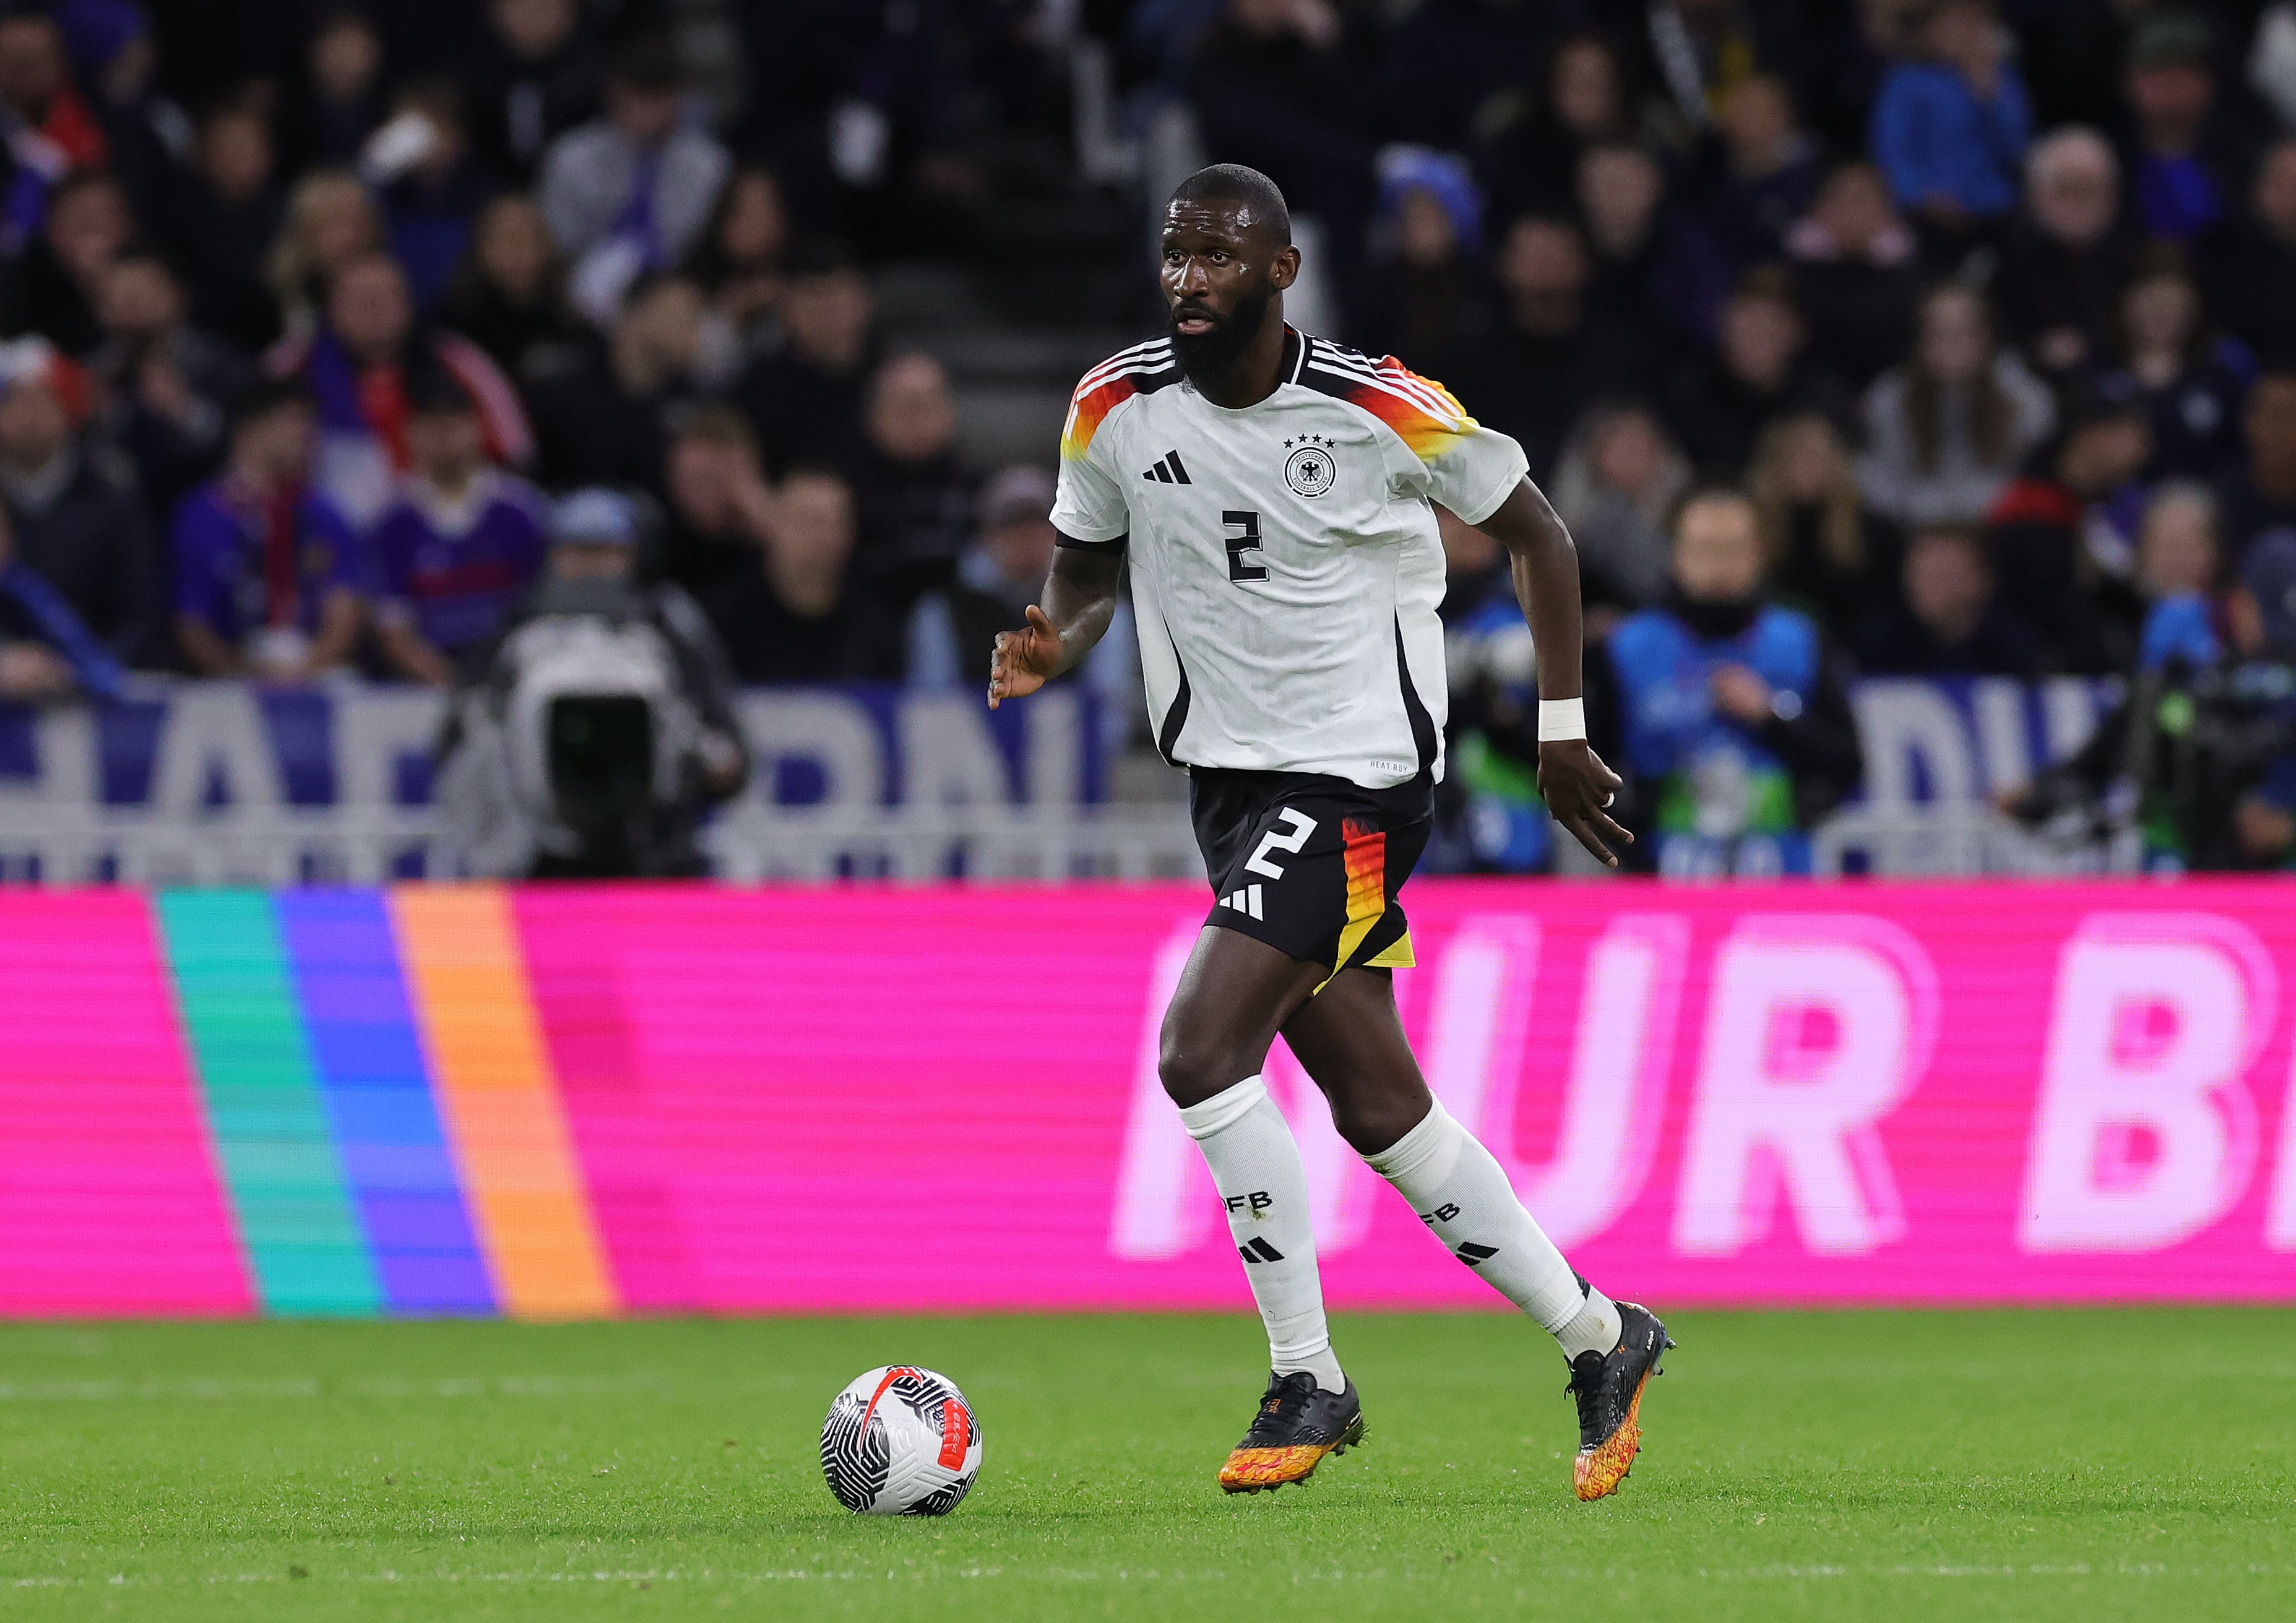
(1311, 865)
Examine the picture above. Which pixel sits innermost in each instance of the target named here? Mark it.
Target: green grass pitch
(1840, 1466)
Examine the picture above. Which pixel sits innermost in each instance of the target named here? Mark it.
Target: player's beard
(1211, 355)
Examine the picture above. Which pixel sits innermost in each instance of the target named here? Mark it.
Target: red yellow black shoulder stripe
(1423, 413)
(1140, 369)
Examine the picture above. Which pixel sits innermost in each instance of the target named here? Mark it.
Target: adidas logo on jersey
(1245, 901)
(1169, 471)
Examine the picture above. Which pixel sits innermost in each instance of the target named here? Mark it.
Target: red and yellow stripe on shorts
(1364, 851)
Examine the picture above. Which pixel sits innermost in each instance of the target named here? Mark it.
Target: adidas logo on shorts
(1245, 901)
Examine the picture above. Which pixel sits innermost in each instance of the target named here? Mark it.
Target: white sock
(1255, 1164)
(1458, 1189)
(1596, 1328)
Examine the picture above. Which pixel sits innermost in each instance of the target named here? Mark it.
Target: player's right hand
(1025, 660)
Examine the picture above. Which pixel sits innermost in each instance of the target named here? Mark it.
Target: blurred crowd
(1982, 313)
(310, 310)
(1941, 338)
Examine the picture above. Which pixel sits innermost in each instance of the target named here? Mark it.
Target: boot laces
(1588, 1385)
(1286, 1401)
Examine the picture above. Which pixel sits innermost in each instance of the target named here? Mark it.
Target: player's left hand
(1578, 790)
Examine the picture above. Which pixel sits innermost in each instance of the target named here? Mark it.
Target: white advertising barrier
(204, 782)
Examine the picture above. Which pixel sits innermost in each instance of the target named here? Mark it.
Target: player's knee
(1369, 1128)
(1349, 1122)
(1371, 1113)
(1193, 1068)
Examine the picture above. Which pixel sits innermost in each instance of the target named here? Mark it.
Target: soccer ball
(900, 1441)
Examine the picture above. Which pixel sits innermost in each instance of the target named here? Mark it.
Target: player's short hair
(1234, 182)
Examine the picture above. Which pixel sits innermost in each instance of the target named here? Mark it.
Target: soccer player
(1273, 492)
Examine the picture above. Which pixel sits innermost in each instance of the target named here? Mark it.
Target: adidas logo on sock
(1259, 1250)
(1169, 471)
(1245, 901)
(1474, 1256)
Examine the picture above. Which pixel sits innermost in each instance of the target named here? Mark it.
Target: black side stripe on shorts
(1422, 725)
(1167, 734)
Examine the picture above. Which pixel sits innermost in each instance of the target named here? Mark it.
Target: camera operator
(2200, 757)
(590, 738)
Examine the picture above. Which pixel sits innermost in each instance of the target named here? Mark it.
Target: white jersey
(1286, 563)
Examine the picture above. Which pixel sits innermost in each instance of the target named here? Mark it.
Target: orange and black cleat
(1298, 1424)
(1609, 1388)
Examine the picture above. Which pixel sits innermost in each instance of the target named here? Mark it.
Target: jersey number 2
(1243, 536)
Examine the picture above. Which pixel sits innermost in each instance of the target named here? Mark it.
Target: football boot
(1609, 1388)
(1298, 1424)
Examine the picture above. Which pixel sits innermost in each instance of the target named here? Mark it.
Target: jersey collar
(1295, 354)
(1296, 346)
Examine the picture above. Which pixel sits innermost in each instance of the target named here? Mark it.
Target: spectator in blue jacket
(2179, 569)
(266, 570)
(1732, 713)
(1950, 130)
(2185, 152)
(459, 547)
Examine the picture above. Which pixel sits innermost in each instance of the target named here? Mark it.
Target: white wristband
(1562, 719)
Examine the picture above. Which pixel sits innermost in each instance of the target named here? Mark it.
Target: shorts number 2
(1301, 825)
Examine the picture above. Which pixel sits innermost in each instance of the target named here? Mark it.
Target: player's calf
(1255, 1165)
(1466, 1199)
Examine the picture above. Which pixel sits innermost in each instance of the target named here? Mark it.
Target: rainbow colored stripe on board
(380, 1102)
